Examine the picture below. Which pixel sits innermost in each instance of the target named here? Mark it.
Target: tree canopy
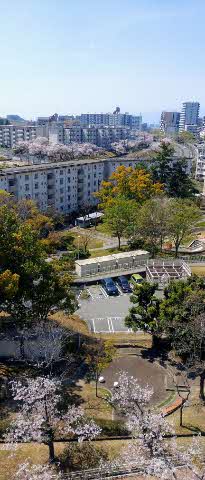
(29, 286)
(120, 217)
(171, 172)
(130, 183)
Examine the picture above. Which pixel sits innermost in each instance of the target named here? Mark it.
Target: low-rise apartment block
(100, 136)
(111, 119)
(10, 135)
(64, 186)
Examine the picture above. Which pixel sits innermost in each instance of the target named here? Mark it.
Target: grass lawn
(92, 241)
(201, 224)
(94, 406)
(72, 322)
(107, 251)
(135, 339)
(198, 270)
(193, 416)
(38, 454)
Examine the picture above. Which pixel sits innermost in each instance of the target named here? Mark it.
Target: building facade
(170, 122)
(200, 162)
(64, 186)
(100, 136)
(111, 120)
(189, 115)
(10, 135)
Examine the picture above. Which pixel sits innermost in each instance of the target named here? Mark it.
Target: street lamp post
(78, 246)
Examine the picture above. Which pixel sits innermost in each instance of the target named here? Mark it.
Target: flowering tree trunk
(51, 451)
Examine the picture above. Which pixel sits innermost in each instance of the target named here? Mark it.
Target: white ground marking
(108, 321)
(111, 324)
(93, 298)
(93, 324)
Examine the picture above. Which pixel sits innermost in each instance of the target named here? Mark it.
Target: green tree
(144, 314)
(162, 163)
(99, 355)
(120, 218)
(29, 287)
(184, 215)
(182, 319)
(153, 223)
(180, 184)
(186, 137)
(172, 173)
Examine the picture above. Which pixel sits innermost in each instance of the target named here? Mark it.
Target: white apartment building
(64, 186)
(169, 122)
(189, 115)
(10, 135)
(200, 162)
(111, 119)
(100, 136)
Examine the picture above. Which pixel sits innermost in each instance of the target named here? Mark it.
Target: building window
(61, 199)
(36, 186)
(61, 190)
(61, 172)
(68, 189)
(61, 181)
(36, 175)
(26, 187)
(27, 177)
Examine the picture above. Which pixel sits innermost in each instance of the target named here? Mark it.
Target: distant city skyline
(74, 57)
(147, 117)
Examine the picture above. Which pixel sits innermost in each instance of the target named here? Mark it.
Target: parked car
(110, 286)
(136, 279)
(124, 284)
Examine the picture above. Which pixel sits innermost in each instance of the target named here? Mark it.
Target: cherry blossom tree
(45, 345)
(39, 416)
(150, 450)
(37, 472)
(41, 149)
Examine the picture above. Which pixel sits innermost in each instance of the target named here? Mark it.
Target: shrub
(77, 456)
(112, 428)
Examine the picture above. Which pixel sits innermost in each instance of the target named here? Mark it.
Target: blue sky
(73, 56)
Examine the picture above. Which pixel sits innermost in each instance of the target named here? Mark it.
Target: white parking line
(119, 289)
(93, 325)
(113, 330)
(93, 298)
(108, 321)
(103, 292)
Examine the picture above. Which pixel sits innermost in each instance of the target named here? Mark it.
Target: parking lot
(104, 313)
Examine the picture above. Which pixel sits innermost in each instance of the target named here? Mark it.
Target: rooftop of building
(181, 151)
(114, 256)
